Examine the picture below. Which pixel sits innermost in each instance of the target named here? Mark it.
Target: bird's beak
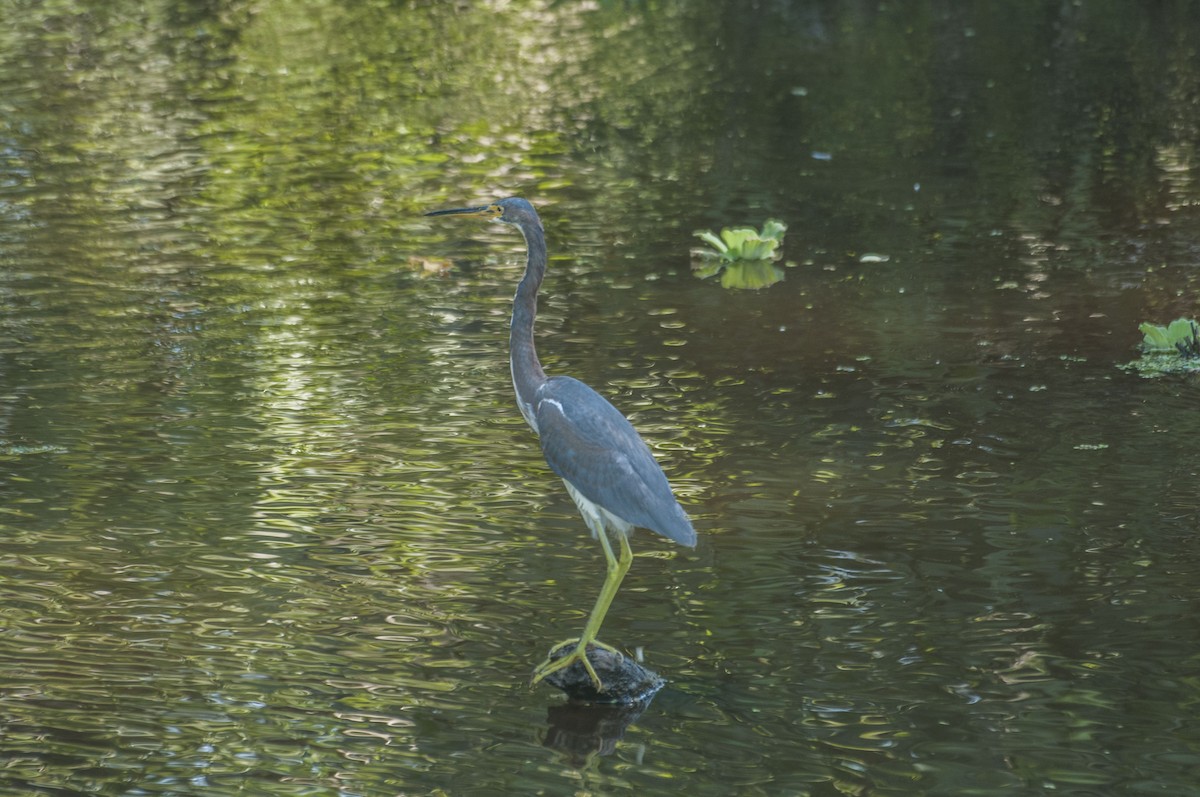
(487, 211)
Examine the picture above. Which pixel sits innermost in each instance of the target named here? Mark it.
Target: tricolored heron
(608, 469)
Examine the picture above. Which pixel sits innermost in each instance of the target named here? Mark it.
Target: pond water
(270, 522)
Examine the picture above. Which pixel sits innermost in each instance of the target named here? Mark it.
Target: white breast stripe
(525, 408)
(597, 517)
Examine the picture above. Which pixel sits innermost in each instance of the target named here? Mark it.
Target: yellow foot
(579, 654)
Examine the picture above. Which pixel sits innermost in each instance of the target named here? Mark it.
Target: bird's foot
(579, 654)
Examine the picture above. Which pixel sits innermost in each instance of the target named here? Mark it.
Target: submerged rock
(625, 681)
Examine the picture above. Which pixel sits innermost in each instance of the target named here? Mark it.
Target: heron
(608, 469)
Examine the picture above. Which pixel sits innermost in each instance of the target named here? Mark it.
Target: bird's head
(514, 210)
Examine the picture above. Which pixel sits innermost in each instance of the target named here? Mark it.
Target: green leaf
(1155, 336)
(774, 230)
(1164, 338)
(712, 240)
(1179, 330)
(736, 237)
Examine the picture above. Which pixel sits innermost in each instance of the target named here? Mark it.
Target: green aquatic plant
(744, 243)
(1173, 349)
(1180, 336)
(743, 256)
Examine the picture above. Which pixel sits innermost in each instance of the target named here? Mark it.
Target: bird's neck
(527, 373)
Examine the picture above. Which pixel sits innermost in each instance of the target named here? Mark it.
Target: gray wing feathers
(590, 444)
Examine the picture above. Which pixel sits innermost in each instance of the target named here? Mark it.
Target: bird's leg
(616, 570)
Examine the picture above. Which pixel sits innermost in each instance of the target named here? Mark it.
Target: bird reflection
(584, 731)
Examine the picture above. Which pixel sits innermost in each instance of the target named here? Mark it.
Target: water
(271, 523)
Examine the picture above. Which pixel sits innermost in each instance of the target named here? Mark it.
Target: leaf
(759, 250)
(1155, 336)
(746, 243)
(712, 240)
(1165, 338)
(736, 238)
(774, 230)
(1179, 330)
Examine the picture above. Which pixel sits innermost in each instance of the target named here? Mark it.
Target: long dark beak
(482, 210)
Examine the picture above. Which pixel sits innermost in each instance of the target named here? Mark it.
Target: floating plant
(1180, 335)
(1173, 349)
(743, 256)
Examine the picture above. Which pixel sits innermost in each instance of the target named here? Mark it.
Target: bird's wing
(592, 446)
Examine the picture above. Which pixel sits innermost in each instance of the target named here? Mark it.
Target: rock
(625, 681)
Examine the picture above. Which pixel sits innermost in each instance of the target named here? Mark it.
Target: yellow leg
(616, 570)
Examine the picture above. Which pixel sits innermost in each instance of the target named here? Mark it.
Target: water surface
(270, 522)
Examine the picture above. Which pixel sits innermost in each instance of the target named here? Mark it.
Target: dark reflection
(583, 731)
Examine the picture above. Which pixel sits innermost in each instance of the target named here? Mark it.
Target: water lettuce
(1173, 349)
(743, 256)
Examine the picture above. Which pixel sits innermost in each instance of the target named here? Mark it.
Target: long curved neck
(527, 373)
